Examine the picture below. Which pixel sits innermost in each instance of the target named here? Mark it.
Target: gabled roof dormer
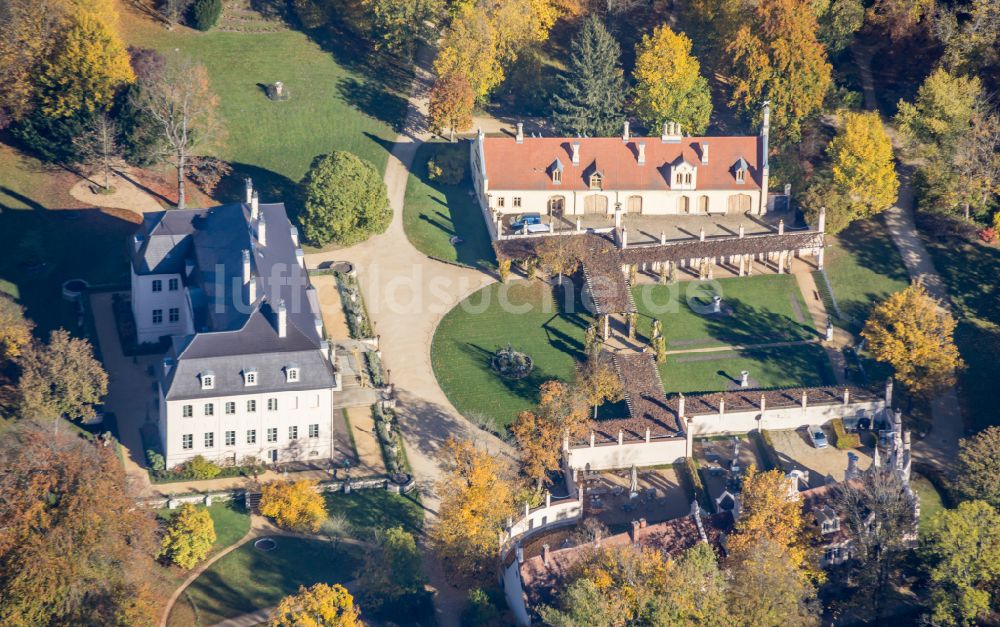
(594, 177)
(292, 374)
(207, 380)
(740, 170)
(556, 172)
(683, 174)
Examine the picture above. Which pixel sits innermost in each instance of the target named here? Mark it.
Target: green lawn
(790, 366)
(863, 266)
(531, 322)
(930, 499)
(360, 513)
(757, 309)
(231, 521)
(249, 579)
(434, 212)
(340, 98)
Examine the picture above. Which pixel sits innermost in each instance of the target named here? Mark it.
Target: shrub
(842, 439)
(690, 468)
(447, 165)
(156, 461)
(766, 447)
(206, 172)
(189, 536)
(201, 468)
(345, 200)
(205, 14)
(296, 506)
(988, 235)
(480, 610)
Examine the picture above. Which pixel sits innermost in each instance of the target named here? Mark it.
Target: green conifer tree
(591, 97)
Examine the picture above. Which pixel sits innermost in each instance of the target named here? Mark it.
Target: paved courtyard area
(659, 496)
(797, 452)
(368, 460)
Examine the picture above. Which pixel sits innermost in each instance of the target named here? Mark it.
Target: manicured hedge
(842, 439)
(205, 14)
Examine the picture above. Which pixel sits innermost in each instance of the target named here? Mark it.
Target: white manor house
(672, 174)
(248, 371)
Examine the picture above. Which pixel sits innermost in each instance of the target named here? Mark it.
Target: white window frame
(272, 434)
(208, 382)
(187, 441)
(157, 316)
(174, 314)
(187, 411)
(210, 439)
(209, 409)
(230, 407)
(250, 377)
(251, 436)
(293, 432)
(230, 438)
(291, 374)
(314, 431)
(272, 404)
(251, 406)
(157, 285)
(173, 284)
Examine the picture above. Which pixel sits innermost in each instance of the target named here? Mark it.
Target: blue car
(526, 219)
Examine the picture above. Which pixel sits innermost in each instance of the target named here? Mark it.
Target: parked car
(529, 220)
(817, 437)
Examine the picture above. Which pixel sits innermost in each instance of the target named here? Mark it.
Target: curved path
(407, 294)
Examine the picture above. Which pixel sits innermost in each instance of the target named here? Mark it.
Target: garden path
(940, 446)
(407, 294)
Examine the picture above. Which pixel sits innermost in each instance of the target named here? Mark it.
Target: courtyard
(796, 452)
(659, 496)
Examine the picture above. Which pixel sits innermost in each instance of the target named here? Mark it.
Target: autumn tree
(961, 551)
(539, 442)
(98, 147)
(669, 86)
(293, 505)
(399, 25)
(563, 405)
(345, 200)
(901, 19)
(911, 333)
(766, 588)
(879, 517)
(392, 569)
(838, 21)
(320, 605)
(61, 378)
(477, 497)
(88, 65)
(451, 104)
(971, 35)
(862, 163)
(15, 329)
(75, 549)
(591, 95)
(183, 108)
(975, 475)
(697, 594)
(776, 57)
(560, 255)
(598, 382)
(31, 29)
(189, 536)
(469, 49)
(940, 114)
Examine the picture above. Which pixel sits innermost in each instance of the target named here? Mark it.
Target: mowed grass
(434, 212)
(363, 512)
(864, 267)
(755, 310)
(231, 521)
(248, 579)
(524, 314)
(931, 501)
(787, 366)
(338, 101)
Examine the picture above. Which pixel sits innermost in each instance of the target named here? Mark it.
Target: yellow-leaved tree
(539, 442)
(769, 512)
(862, 164)
(911, 333)
(598, 382)
(189, 537)
(669, 86)
(293, 505)
(15, 329)
(477, 497)
(320, 605)
(89, 64)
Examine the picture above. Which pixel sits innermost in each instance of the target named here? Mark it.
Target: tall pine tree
(591, 97)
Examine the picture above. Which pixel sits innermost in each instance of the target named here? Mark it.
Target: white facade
(161, 306)
(644, 202)
(308, 412)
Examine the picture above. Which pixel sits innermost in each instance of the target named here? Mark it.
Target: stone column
(750, 259)
(819, 257)
(607, 327)
(711, 268)
(781, 261)
(742, 262)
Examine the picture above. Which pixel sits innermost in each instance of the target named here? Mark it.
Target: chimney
(249, 185)
(545, 554)
(251, 291)
(519, 138)
(642, 152)
(295, 235)
(634, 531)
(624, 238)
(318, 323)
(765, 125)
(704, 153)
(262, 230)
(847, 396)
(680, 407)
(168, 363)
(701, 235)
(576, 153)
(254, 205)
(666, 132)
(781, 226)
(888, 393)
(300, 256)
(282, 318)
(520, 555)
(805, 399)
(822, 220)
(852, 467)
(642, 523)
(763, 403)
(742, 230)
(625, 135)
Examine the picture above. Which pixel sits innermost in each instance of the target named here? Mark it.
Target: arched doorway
(703, 204)
(557, 205)
(635, 204)
(683, 205)
(596, 204)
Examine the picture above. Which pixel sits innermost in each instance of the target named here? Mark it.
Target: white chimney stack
(821, 227)
(704, 153)
(519, 138)
(262, 230)
(246, 266)
(576, 153)
(295, 236)
(642, 153)
(254, 204)
(625, 134)
(249, 185)
(251, 291)
(282, 319)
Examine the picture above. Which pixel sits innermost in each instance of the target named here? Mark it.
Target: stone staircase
(253, 502)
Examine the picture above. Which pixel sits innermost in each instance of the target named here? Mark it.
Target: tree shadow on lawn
(369, 510)
(526, 388)
(373, 100)
(271, 187)
(868, 243)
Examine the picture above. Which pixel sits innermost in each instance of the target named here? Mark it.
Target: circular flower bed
(265, 544)
(511, 364)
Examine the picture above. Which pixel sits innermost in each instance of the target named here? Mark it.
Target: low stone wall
(629, 452)
(783, 418)
(552, 514)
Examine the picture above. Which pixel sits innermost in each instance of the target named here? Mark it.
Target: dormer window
(687, 178)
(557, 176)
(291, 374)
(740, 169)
(740, 175)
(207, 381)
(556, 170)
(249, 377)
(596, 181)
